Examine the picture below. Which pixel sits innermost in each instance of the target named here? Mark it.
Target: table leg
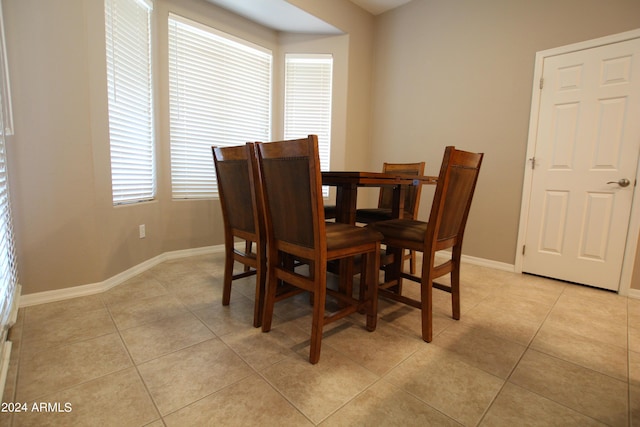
(346, 201)
(392, 271)
(397, 207)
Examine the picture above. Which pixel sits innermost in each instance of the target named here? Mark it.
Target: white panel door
(586, 154)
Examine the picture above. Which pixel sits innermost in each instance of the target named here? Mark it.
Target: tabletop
(374, 179)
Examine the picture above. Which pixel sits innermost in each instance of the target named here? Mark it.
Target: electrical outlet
(142, 231)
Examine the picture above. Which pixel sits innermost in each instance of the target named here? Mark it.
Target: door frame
(633, 233)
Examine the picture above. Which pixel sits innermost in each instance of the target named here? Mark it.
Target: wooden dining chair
(385, 199)
(385, 202)
(243, 218)
(444, 230)
(296, 229)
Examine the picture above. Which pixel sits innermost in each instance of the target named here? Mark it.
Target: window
(5, 93)
(129, 79)
(307, 105)
(8, 269)
(220, 94)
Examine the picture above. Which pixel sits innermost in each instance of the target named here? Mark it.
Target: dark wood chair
(296, 229)
(385, 202)
(243, 217)
(385, 199)
(445, 230)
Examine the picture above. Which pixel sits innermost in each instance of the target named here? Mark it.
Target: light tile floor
(162, 350)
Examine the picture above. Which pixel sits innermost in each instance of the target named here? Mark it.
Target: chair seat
(386, 258)
(368, 215)
(409, 230)
(340, 236)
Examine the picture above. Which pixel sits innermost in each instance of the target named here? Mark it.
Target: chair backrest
(452, 199)
(292, 190)
(239, 190)
(412, 195)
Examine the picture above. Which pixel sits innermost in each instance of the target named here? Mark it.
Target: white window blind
(129, 78)
(220, 94)
(8, 269)
(307, 105)
(5, 88)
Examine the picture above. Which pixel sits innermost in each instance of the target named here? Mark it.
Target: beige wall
(67, 231)
(460, 73)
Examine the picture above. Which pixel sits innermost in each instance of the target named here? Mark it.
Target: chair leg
(426, 299)
(317, 324)
(392, 271)
(369, 280)
(228, 275)
(261, 280)
(412, 261)
(247, 250)
(365, 283)
(269, 298)
(455, 287)
(455, 299)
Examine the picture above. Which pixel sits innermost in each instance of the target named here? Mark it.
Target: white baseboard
(488, 263)
(95, 288)
(496, 265)
(634, 293)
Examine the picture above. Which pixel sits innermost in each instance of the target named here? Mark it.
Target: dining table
(347, 184)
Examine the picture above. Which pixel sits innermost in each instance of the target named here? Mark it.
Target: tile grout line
(135, 365)
(255, 371)
(515, 366)
(562, 360)
(266, 380)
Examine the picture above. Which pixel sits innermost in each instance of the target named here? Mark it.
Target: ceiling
(376, 7)
(283, 16)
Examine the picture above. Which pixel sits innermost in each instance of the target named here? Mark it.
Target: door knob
(622, 182)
